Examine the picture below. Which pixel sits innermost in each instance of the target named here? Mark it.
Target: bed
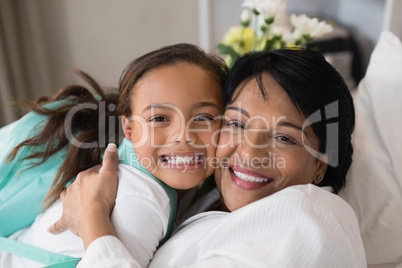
(374, 183)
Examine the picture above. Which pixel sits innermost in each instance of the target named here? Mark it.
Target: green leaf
(227, 50)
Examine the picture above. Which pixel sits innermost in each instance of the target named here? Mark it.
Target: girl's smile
(183, 161)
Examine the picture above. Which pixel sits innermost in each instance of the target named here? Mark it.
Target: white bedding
(374, 181)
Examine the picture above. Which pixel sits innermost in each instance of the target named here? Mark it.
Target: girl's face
(262, 146)
(173, 125)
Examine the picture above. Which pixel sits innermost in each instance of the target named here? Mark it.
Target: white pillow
(374, 182)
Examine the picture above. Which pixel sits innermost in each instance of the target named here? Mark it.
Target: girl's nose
(183, 135)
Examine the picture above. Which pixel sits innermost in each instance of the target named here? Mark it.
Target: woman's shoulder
(308, 198)
(301, 220)
(319, 198)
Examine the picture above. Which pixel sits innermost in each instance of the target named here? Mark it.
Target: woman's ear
(127, 127)
(321, 169)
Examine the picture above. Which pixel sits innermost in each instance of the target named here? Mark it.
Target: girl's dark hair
(170, 55)
(87, 123)
(313, 85)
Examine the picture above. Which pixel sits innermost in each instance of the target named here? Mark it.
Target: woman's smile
(248, 179)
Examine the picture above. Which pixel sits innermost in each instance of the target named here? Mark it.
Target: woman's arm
(87, 207)
(88, 203)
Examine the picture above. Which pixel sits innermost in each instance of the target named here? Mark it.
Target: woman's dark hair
(313, 85)
(87, 122)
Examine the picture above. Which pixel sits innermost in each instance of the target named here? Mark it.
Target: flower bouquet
(266, 34)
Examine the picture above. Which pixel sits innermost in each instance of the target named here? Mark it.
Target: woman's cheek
(226, 145)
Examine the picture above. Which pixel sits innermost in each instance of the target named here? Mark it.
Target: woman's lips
(248, 179)
(183, 160)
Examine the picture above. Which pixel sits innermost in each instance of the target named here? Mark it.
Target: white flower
(268, 8)
(278, 31)
(245, 17)
(321, 29)
(284, 33)
(253, 4)
(305, 25)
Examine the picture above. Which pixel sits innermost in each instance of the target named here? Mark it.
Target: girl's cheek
(158, 139)
(140, 134)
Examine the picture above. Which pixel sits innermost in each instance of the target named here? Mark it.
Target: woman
(287, 126)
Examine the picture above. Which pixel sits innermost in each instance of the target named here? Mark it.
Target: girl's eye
(285, 139)
(204, 118)
(158, 119)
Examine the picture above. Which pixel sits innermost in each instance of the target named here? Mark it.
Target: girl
(168, 101)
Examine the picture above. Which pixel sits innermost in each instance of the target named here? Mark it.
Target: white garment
(300, 226)
(140, 219)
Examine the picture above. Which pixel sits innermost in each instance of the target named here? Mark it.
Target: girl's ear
(127, 127)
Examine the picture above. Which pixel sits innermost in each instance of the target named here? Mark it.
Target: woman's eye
(158, 119)
(234, 124)
(204, 118)
(285, 139)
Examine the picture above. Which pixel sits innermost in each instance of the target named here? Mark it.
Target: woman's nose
(255, 148)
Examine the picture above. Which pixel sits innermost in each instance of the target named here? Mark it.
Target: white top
(300, 226)
(140, 218)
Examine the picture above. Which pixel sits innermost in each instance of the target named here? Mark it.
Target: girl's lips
(173, 154)
(182, 160)
(248, 179)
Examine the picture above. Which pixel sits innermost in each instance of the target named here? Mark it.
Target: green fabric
(37, 254)
(65, 264)
(21, 193)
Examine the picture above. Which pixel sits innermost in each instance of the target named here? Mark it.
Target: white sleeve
(140, 225)
(140, 216)
(107, 252)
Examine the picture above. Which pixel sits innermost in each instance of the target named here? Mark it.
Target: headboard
(392, 17)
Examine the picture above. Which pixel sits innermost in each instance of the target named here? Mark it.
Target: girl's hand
(89, 201)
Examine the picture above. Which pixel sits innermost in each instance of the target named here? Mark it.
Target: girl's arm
(88, 203)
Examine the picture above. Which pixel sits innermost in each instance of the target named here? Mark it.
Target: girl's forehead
(180, 85)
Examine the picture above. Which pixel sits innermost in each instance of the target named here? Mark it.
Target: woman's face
(262, 145)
